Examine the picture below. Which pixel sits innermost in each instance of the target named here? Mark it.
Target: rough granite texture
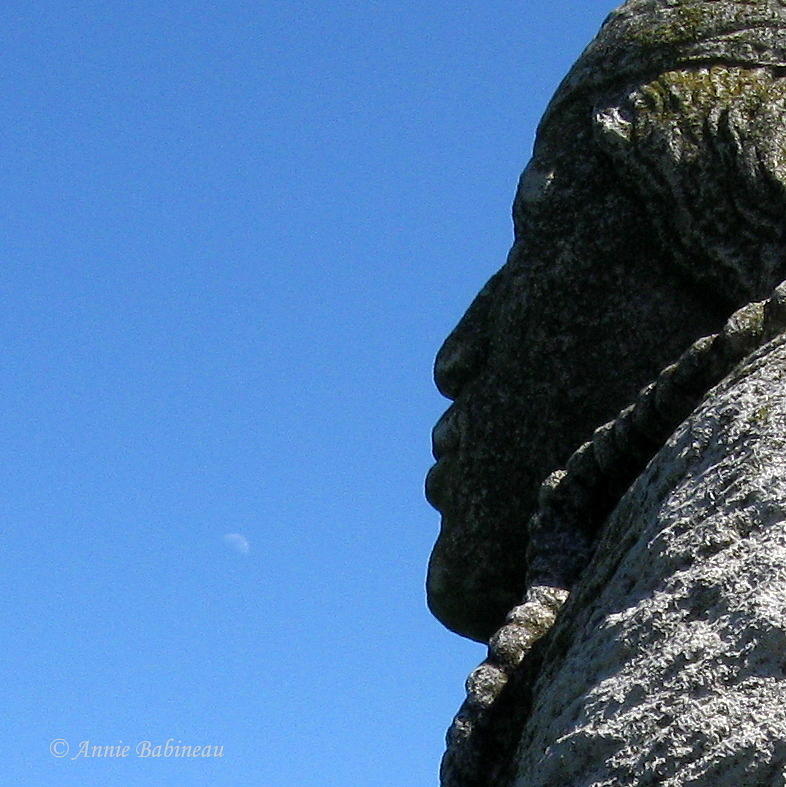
(661, 215)
(635, 637)
(668, 664)
(573, 506)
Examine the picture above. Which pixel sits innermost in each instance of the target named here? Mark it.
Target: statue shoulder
(676, 631)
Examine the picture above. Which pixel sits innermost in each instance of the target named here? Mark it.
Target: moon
(238, 543)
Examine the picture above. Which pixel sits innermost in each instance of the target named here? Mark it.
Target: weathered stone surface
(645, 37)
(573, 505)
(668, 664)
(652, 210)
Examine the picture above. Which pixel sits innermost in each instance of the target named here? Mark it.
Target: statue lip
(445, 439)
(439, 482)
(445, 434)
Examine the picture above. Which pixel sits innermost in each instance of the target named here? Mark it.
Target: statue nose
(464, 351)
(457, 361)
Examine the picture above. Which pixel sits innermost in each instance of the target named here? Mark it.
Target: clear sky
(234, 236)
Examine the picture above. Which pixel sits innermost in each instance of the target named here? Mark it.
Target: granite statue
(614, 441)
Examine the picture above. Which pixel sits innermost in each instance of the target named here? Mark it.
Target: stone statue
(616, 386)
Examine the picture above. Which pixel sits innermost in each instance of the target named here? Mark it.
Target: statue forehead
(643, 38)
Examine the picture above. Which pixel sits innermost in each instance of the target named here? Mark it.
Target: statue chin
(469, 575)
(448, 606)
(467, 614)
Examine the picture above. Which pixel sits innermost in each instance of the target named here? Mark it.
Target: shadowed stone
(649, 227)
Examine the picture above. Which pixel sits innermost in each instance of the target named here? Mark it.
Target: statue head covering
(647, 37)
(688, 99)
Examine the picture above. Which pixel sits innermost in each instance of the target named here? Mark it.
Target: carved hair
(703, 151)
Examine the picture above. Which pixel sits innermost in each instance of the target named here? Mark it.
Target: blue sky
(235, 235)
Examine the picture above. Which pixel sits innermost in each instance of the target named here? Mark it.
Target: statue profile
(650, 243)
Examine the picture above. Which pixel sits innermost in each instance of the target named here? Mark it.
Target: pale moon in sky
(238, 542)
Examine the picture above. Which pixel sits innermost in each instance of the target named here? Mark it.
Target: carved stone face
(586, 311)
(651, 209)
